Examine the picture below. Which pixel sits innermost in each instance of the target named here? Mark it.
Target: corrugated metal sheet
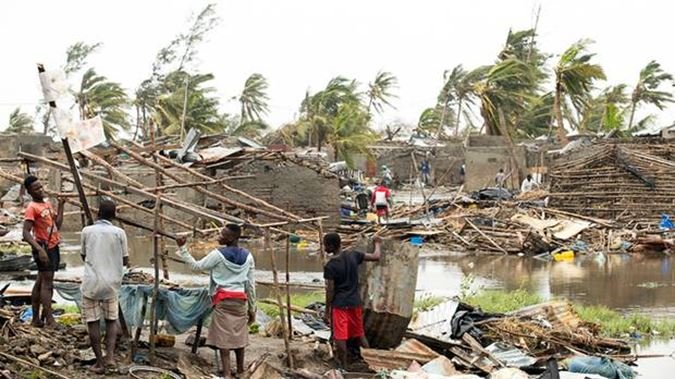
(436, 322)
(558, 313)
(215, 154)
(509, 355)
(414, 346)
(392, 359)
(388, 292)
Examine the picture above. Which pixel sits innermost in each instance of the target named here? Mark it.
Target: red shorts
(347, 323)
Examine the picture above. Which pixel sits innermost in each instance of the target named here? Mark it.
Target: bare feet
(109, 361)
(36, 323)
(97, 369)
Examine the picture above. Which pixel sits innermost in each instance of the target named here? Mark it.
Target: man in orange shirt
(41, 230)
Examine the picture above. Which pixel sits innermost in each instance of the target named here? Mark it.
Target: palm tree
(99, 96)
(19, 123)
(253, 101)
(379, 91)
(431, 120)
(605, 112)
(574, 77)
(201, 108)
(504, 90)
(350, 133)
(646, 89)
(458, 88)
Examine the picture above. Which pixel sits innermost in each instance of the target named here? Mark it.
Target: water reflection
(623, 282)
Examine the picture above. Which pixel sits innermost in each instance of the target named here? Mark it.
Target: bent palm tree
(646, 89)
(379, 91)
(19, 123)
(98, 96)
(254, 98)
(350, 133)
(574, 77)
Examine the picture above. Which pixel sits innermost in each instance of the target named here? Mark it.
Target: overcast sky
(301, 44)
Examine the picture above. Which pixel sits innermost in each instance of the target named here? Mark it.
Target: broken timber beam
(228, 188)
(177, 204)
(203, 191)
(195, 184)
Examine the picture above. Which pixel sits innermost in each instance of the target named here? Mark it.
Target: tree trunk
(557, 107)
(45, 121)
(443, 115)
(459, 116)
(632, 114)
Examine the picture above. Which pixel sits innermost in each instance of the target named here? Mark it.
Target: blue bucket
(417, 241)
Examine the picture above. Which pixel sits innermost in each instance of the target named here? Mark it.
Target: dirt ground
(307, 354)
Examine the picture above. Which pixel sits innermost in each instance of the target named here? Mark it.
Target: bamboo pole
(155, 290)
(185, 207)
(178, 179)
(118, 217)
(322, 249)
(228, 188)
(269, 248)
(195, 184)
(158, 184)
(133, 205)
(288, 288)
(485, 236)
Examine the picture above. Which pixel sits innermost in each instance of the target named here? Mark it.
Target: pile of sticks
(617, 181)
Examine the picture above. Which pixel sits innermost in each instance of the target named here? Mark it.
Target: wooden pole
(288, 288)
(158, 184)
(155, 290)
(211, 194)
(73, 168)
(228, 188)
(322, 249)
(269, 248)
(174, 203)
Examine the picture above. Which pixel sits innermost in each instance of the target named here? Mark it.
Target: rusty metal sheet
(436, 322)
(510, 356)
(556, 312)
(414, 346)
(392, 359)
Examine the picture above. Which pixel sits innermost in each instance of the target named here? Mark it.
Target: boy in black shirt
(344, 310)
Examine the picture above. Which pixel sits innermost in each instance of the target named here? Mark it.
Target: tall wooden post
(158, 183)
(288, 287)
(269, 249)
(155, 291)
(71, 164)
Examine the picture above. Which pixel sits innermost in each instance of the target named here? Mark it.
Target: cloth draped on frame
(181, 308)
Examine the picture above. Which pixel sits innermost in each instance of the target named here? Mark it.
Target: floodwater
(627, 283)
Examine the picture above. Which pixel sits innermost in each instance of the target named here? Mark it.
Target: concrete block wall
(483, 163)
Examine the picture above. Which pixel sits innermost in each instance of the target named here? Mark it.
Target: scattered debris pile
(454, 338)
(629, 182)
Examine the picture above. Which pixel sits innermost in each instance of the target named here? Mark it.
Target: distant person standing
(425, 170)
(381, 201)
(105, 253)
(41, 231)
(528, 184)
(344, 311)
(500, 178)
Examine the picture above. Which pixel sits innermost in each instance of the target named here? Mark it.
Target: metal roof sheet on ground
(436, 322)
(509, 355)
(250, 143)
(557, 312)
(412, 345)
(216, 153)
(392, 359)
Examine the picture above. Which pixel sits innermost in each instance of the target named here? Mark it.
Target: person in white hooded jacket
(232, 288)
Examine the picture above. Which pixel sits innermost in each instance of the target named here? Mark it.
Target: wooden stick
(155, 290)
(195, 184)
(269, 248)
(29, 364)
(178, 179)
(291, 307)
(313, 287)
(485, 236)
(158, 206)
(228, 188)
(322, 249)
(188, 208)
(288, 288)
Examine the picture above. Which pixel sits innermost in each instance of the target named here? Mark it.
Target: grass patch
(495, 301)
(68, 308)
(615, 324)
(612, 323)
(298, 299)
(426, 302)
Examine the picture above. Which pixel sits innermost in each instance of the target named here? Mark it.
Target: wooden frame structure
(117, 184)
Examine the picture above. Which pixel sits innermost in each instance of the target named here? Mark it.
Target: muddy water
(622, 282)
